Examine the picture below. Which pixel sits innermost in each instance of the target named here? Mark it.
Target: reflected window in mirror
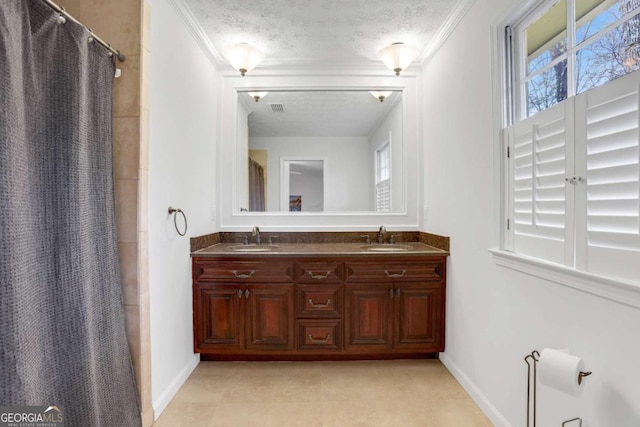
(383, 178)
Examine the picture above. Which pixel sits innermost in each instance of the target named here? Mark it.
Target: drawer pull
(319, 276)
(241, 275)
(319, 341)
(239, 293)
(328, 303)
(246, 293)
(395, 275)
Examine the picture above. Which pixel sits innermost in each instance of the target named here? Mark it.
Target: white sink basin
(388, 248)
(254, 248)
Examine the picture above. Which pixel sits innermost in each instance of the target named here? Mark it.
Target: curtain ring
(175, 212)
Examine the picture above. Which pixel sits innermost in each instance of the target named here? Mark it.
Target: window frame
(504, 82)
(519, 71)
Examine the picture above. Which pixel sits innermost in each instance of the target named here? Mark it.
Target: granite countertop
(319, 249)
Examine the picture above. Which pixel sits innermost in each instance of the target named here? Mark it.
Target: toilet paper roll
(559, 370)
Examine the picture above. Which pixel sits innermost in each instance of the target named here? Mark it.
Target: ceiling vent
(277, 108)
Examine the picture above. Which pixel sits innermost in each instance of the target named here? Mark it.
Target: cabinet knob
(391, 292)
(239, 293)
(246, 293)
(398, 292)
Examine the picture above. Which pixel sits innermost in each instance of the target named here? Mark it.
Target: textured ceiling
(318, 113)
(318, 34)
(321, 31)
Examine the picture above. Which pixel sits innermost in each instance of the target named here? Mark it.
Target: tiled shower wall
(125, 24)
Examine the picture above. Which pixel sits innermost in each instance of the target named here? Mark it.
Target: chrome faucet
(381, 233)
(256, 232)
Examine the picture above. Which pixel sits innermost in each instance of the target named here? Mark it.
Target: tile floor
(395, 393)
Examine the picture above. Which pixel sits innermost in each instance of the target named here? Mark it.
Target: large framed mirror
(361, 153)
(347, 146)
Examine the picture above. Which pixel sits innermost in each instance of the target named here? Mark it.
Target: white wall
(181, 174)
(346, 168)
(496, 316)
(391, 126)
(242, 156)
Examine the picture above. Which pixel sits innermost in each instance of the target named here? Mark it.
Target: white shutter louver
(613, 179)
(539, 188)
(383, 196)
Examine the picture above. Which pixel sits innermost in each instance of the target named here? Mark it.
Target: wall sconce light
(398, 56)
(381, 95)
(258, 95)
(243, 57)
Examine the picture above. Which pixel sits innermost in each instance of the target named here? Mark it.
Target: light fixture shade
(398, 56)
(243, 57)
(257, 95)
(381, 95)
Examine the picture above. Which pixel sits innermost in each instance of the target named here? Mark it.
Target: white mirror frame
(232, 220)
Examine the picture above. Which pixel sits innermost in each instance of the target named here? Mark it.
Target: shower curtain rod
(63, 12)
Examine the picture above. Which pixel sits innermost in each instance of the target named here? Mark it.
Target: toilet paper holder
(532, 360)
(582, 375)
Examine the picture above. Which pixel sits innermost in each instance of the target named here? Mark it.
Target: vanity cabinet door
(218, 317)
(270, 317)
(369, 320)
(417, 316)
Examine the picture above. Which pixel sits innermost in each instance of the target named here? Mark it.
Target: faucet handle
(245, 239)
(366, 236)
(271, 237)
(392, 239)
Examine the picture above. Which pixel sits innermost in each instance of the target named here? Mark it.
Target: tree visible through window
(562, 58)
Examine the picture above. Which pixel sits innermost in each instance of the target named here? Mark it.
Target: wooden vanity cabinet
(242, 306)
(329, 308)
(395, 305)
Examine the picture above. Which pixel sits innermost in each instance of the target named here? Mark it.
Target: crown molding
(218, 61)
(199, 35)
(450, 24)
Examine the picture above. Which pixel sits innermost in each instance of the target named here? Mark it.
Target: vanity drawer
(318, 300)
(319, 272)
(319, 334)
(243, 271)
(362, 271)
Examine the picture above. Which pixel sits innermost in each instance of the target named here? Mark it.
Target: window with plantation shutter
(611, 170)
(538, 184)
(383, 178)
(383, 196)
(574, 192)
(570, 144)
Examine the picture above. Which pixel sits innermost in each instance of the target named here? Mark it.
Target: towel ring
(175, 212)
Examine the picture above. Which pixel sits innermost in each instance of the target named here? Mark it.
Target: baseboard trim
(481, 400)
(161, 403)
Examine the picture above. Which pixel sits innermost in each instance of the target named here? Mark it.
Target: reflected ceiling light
(258, 95)
(398, 56)
(243, 57)
(381, 95)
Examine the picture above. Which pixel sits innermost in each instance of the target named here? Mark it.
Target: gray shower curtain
(62, 328)
(256, 187)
